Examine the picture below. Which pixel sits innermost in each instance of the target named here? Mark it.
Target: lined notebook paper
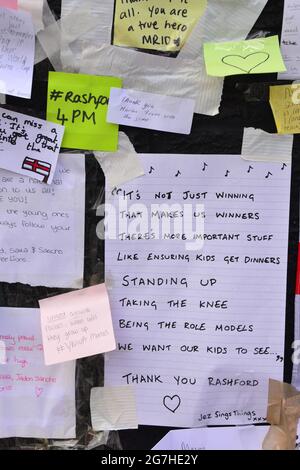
(290, 40)
(198, 308)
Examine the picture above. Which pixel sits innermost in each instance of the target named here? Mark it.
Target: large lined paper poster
(196, 264)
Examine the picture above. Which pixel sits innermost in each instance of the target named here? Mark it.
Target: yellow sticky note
(80, 103)
(285, 104)
(260, 55)
(162, 25)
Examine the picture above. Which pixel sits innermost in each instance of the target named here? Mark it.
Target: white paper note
(17, 53)
(36, 401)
(113, 408)
(42, 227)
(199, 329)
(150, 111)
(222, 438)
(290, 40)
(28, 145)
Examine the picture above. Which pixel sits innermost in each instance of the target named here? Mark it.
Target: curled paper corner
(113, 408)
(262, 146)
(2, 353)
(120, 166)
(283, 414)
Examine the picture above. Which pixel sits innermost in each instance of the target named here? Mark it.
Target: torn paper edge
(122, 165)
(118, 396)
(261, 146)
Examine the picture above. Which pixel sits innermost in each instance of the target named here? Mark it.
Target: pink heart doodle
(38, 391)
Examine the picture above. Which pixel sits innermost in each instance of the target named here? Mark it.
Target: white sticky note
(150, 111)
(77, 324)
(28, 145)
(42, 227)
(113, 408)
(222, 438)
(17, 53)
(36, 401)
(196, 261)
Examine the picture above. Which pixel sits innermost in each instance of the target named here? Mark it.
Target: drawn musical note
(283, 166)
(268, 174)
(204, 166)
(177, 174)
(151, 170)
(249, 169)
(227, 173)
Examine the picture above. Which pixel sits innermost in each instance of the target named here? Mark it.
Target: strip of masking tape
(156, 74)
(113, 408)
(92, 22)
(261, 146)
(122, 165)
(35, 7)
(222, 21)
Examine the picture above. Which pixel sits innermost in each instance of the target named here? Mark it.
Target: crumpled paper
(283, 415)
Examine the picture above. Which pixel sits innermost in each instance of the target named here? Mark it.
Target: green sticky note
(80, 102)
(243, 57)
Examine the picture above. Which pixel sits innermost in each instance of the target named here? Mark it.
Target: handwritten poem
(42, 226)
(37, 401)
(156, 24)
(197, 265)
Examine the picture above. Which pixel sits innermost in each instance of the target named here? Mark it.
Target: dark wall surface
(244, 104)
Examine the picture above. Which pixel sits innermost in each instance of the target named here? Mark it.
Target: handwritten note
(77, 324)
(113, 408)
(28, 145)
(243, 57)
(284, 101)
(80, 103)
(150, 111)
(17, 53)
(35, 400)
(290, 40)
(13, 4)
(226, 438)
(197, 264)
(42, 227)
(156, 24)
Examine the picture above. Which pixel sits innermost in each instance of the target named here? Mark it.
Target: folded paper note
(194, 342)
(77, 324)
(243, 57)
(17, 53)
(150, 111)
(36, 401)
(80, 103)
(284, 101)
(42, 227)
(156, 24)
(28, 145)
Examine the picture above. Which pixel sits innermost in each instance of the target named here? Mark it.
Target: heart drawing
(38, 391)
(247, 63)
(172, 403)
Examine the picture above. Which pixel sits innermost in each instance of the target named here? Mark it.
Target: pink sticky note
(77, 324)
(13, 4)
